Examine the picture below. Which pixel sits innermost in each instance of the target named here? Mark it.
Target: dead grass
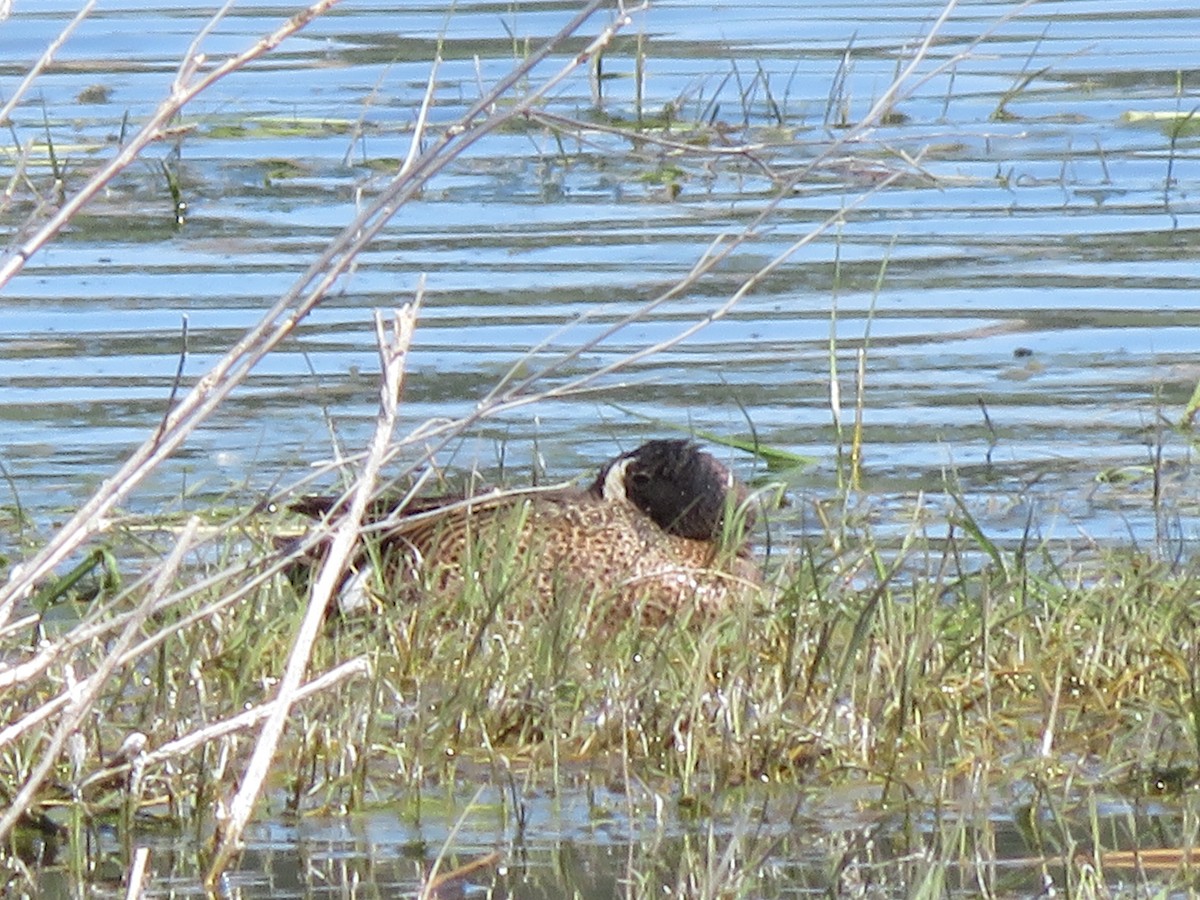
(938, 688)
(943, 676)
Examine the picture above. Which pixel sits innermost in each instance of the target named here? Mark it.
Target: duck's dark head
(682, 488)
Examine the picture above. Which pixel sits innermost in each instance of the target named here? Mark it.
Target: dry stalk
(50, 708)
(360, 665)
(83, 694)
(432, 882)
(137, 873)
(18, 177)
(101, 622)
(44, 60)
(183, 90)
(393, 352)
(20, 165)
(299, 300)
(182, 746)
(435, 882)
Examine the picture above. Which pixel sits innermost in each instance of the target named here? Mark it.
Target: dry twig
(393, 351)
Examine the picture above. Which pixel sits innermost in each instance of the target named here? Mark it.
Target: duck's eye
(639, 477)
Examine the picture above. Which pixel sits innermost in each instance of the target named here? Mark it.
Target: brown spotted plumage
(657, 532)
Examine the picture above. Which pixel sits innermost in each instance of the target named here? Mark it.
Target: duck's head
(684, 490)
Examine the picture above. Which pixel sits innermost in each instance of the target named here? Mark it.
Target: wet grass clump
(920, 678)
(921, 689)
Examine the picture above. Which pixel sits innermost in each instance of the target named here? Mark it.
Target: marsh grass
(926, 675)
(942, 680)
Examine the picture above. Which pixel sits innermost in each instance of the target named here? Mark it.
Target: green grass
(930, 673)
(933, 685)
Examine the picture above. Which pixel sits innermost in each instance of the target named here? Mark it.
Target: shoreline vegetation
(176, 680)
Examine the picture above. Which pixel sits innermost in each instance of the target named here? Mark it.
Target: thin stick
(414, 146)
(281, 320)
(137, 873)
(102, 621)
(432, 881)
(41, 714)
(185, 745)
(434, 884)
(44, 60)
(393, 352)
(181, 94)
(83, 694)
(360, 665)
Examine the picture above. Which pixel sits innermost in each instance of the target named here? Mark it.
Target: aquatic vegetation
(164, 672)
(926, 676)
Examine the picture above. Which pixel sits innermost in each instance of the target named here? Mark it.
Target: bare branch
(393, 351)
(44, 60)
(83, 694)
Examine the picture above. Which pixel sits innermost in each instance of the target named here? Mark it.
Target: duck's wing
(318, 506)
(422, 522)
(431, 523)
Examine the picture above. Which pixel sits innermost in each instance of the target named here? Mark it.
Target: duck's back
(566, 546)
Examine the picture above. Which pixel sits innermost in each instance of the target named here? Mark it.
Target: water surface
(1059, 230)
(1036, 257)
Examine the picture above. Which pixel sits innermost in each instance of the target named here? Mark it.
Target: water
(1040, 264)
(765, 844)
(1053, 231)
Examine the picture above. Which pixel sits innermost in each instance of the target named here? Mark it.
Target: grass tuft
(943, 680)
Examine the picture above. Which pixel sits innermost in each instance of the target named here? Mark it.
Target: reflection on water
(1024, 296)
(770, 846)
(1058, 229)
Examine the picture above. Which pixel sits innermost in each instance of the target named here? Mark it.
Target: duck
(660, 530)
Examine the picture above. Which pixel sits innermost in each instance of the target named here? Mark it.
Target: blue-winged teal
(659, 530)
